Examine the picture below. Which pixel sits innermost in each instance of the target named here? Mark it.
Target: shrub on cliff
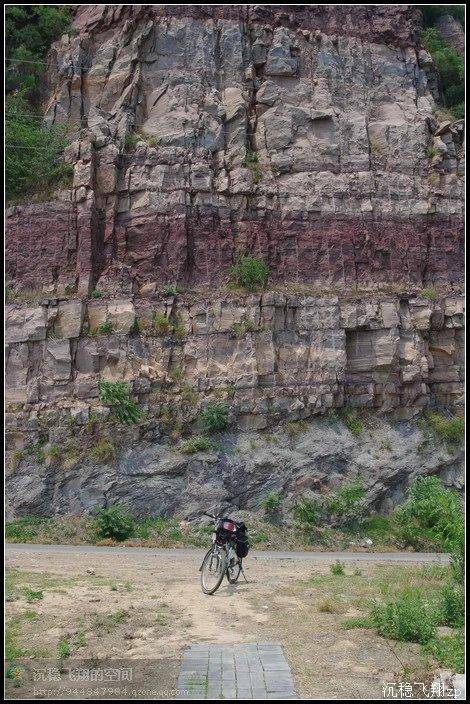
(451, 69)
(431, 516)
(116, 395)
(29, 32)
(215, 417)
(33, 151)
(115, 523)
(250, 273)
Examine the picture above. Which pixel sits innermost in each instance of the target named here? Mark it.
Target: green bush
(307, 513)
(407, 618)
(115, 523)
(197, 444)
(337, 569)
(33, 153)
(116, 395)
(352, 421)
(450, 67)
(29, 32)
(33, 150)
(450, 429)
(347, 504)
(449, 651)
(431, 516)
(161, 324)
(431, 13)
(453, 604)
(271, 502)
(23, 530)
(215, 417)
(172, 289)
(250, 273)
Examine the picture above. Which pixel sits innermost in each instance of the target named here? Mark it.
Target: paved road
(258, 554)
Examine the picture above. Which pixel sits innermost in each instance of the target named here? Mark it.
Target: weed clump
(250, 273)
(115, 523)
(116, 395)
(215, 417)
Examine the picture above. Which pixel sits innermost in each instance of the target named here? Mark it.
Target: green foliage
(33, 151)
(352, 421)
(96, 293)
(431, 516)
(430, 153)
(172, 289)
(431, 13)
(453, 604)
(449, 429)
(347, 503)
(161, 324)
(115, 523)
(116, 395)
(307, 513)
(197, 444)
(215, 417)
(450, 67)
(407, 618)
(271, 502)
(34, 595)
(104, 329)
(63, 649)
(252, 163)
(29, 32)
(337, 569)
(449, 651)
(130, 141)
(246, 325)
(23, 530)
(103, 450)
(430, 293)
(356, 622)
(250, 273)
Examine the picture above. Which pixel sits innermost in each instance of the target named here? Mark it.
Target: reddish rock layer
(387, 24)
(50, 243)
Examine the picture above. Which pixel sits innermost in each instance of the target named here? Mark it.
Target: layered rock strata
(308, 135)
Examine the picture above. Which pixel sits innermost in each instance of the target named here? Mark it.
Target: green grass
(337, 569)
(63, 649)
(116, 395)
(356, 622)
(249, 273)
(215, 417)
(409, 617)
(197, 444)
(448, 651)
(450, 429)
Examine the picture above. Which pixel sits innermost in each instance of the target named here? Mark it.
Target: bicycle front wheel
(213, 569)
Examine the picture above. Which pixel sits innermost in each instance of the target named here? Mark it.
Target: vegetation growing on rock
(33, 150)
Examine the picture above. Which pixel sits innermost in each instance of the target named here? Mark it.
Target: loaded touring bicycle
(230, 545)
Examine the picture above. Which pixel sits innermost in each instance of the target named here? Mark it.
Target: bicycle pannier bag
(243, 544)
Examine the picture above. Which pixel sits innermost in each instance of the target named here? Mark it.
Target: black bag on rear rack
(243, 544)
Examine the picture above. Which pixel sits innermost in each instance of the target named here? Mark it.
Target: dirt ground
(143, 611)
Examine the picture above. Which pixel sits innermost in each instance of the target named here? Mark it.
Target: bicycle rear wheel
(234, 571)
(213, 569)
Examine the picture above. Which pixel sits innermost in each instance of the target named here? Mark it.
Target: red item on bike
(228, 525)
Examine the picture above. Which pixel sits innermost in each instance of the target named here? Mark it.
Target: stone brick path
(238, 671)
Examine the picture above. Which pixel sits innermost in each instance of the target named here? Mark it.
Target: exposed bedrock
(200, 132)
(307, 135)
(153, 478)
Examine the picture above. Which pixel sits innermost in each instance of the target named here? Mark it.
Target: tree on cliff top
(33, 150)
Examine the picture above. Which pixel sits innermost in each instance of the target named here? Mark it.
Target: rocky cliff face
(305, 134)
